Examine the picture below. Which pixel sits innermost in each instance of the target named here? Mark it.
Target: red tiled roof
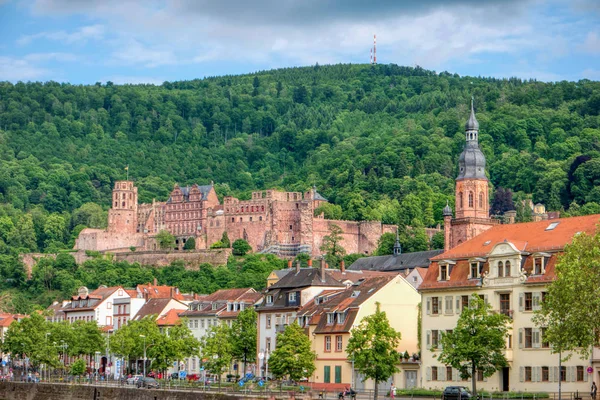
(422, 272)
(527, 236)
(227, 295)
(149, 291)
(171, 318)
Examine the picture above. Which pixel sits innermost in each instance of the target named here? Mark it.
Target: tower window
(123, 204)
(460, 199)
(480, 199)
(470, 199)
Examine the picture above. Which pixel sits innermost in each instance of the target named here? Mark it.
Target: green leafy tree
(216, 349)
(240, 247)
(292, 357)
(225, 240)
(332, 245)
(190, 244)
(87, 338)
(329, 211)
(78, 367)
(31, 337)
(165, 240)
(374, 348)
(174, 345)
(243, 336)
(477, 343)
(385, 244)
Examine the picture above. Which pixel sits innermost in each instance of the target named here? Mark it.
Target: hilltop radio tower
(374, 50)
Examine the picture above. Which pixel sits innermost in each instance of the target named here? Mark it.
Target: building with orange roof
(510, 267)
(222, 306)
(329, 317)
(169, 319)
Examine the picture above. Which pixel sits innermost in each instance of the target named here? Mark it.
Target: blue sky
(88, 41)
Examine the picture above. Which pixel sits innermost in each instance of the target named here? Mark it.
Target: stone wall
(43, 391)
(192, 260)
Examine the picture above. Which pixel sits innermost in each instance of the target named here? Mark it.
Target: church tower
(122, 217)
(472, 187)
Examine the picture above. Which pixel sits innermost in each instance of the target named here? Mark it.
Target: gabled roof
(319, 197)
(150, 291)
(204, 190)
(344, 301)
(304, 278)
(171, 318)
(398, 262)
(154, 307)
(220, 299)
(527, 236)
(227, 295)
(7, 319)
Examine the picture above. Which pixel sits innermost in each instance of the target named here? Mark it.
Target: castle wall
(191, 259)
(100, 240)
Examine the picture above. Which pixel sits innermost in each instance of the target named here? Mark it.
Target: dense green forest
(381, 142)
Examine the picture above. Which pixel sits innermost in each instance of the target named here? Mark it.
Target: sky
(152, 41)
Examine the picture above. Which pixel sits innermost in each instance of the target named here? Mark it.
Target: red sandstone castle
(276, 222)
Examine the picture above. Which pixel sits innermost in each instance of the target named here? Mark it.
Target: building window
(330, 318)
(327, 374)
(434, 374)
(545, 342)
(195, 324)
(268, 344)
(260, 218)
(528, 338)
(479, 375)
(579, 373)
(460, 199)
(341, 317)
(538, 265)
(327, 343)
(527, 374)
(292, 297)
(435, 306)
(232, 219)
(448, 373)
(545, 374)
(435, 338)
(339, 343)
(480, 199)
(268, 321)
(475, 270)
(500, 269)
(338, 374)
(528, 301)
(443, 272)
(563, 374)
(202, 323)
(465, 302)
(270, 299)
(505, 304)
(471, 199)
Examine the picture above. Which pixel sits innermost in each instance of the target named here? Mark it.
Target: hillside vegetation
(380, 142)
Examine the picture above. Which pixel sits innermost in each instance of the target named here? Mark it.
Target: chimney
(297, 266)
(289, 263)
(155, 282)
(310, 263)
(172, 292)
(323, 270)
(342, 266)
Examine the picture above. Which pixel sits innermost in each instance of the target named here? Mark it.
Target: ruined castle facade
(272, 221)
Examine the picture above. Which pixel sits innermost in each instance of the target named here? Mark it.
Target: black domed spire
(471, 163)
(447, 211)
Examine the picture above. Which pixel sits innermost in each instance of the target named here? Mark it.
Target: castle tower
(472, 186)
(122, 217)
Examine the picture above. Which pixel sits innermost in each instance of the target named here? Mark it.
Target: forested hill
(381, 142)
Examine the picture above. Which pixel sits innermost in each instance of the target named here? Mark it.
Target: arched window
(507, 268)
(470, 199)
(460, 199)
(480, 199)
(123, 196)
(500, 269)
(123, 204)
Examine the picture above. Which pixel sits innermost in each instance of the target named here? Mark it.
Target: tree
(477, 343)
(190, 244)
(165, 240)
(174, 345)
(331, 245)
(217, 350)
(87, 338)
(502, 202)
(243, 336)
(570, 311)
(240, 247)
(385, 244)
(30, 337)
(293, 356)
(78, 367)
(225, 240)
(437, 241)
(374, 347)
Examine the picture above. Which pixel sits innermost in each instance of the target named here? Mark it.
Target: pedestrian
(392, 391)
(594, 390)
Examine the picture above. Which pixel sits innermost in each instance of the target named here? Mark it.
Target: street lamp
(96, 362)
(144, 337)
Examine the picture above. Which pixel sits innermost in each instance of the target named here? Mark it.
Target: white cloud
(18, 69)
(133, 52)
(60, 57)
(82, 35)
(592, 43)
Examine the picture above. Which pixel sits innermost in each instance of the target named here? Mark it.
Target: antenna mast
(374, 49)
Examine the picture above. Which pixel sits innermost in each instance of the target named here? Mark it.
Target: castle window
(500, 269)
(262, 208)
(460, 199)
(470, 199)
(116, 203)
(232, 219)
(241, 219)
(250, 218)
(291, 227)
(123, 196)
(123, 204)
(480, 199)
(130, 196)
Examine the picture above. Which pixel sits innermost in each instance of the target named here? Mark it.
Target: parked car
(148, 383)
(456, 393)
(133, 380)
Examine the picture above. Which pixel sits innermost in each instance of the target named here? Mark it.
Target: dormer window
(292, 297)
(270, 299)
(444, 273)
(341, 318)
(214, 306)
(538, 265)
(330, 318)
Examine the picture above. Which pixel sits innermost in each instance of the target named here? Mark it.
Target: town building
(282, 223)
(158, 307)
(220, 307)
(330, 316)
(510, 266)
(95, 306)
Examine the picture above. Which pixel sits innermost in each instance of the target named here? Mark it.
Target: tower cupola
(471, 163)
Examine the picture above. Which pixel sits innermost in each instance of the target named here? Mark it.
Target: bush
(190, 244)
(241, 247)
(132, 248)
